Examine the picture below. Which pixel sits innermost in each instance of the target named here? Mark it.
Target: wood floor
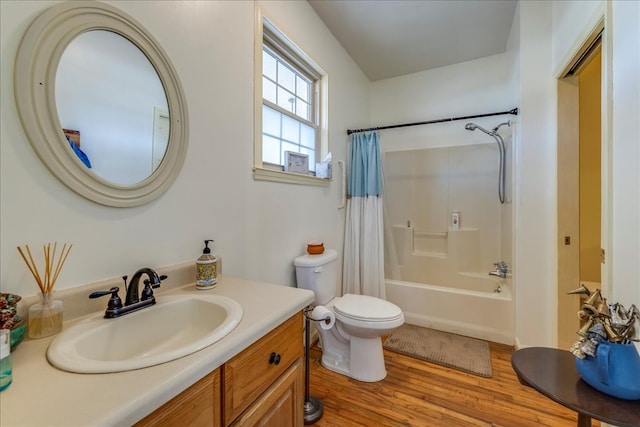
(419, 393)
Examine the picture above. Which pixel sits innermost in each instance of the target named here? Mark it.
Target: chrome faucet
(501, 270)
(133, 301)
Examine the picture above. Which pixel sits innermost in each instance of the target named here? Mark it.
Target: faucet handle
(147, 292)
(501, 265)
(114, 302)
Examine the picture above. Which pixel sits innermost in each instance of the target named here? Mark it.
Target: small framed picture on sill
(296, 162)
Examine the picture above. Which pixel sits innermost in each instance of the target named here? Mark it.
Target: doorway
(579, 185)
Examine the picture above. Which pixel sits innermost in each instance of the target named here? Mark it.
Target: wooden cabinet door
(197, 406)
(282, 405)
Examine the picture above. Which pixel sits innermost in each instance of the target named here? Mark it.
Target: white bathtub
(483, 314)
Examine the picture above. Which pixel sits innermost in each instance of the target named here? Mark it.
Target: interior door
(580, 186)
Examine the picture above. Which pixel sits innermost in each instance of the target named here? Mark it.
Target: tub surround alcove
(446, 227)
(43, 395)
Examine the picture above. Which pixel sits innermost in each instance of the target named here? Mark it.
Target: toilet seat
(366, 308)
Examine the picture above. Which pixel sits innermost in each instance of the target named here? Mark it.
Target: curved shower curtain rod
(428, 122)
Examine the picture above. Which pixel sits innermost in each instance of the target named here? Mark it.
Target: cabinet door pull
(274, 359)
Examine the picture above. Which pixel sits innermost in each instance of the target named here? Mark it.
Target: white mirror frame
(34, 80)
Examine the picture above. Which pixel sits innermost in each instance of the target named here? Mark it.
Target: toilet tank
(318, 273)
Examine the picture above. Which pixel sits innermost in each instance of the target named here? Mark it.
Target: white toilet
(353, 346)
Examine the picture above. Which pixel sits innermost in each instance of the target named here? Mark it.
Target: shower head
(473, 126)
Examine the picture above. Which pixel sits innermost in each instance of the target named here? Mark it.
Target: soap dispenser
(207, 275)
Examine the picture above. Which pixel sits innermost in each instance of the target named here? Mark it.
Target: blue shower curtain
(363, 268)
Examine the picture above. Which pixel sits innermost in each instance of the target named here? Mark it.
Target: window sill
(262, 174)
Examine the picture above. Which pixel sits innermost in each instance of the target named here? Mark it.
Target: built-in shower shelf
(430, 234)
(430, 254)
(430, 243)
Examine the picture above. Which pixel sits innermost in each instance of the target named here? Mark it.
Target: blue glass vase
(615, 370)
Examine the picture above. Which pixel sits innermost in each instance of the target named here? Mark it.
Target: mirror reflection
(112, 107)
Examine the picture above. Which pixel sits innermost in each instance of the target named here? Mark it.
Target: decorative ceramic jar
(615, 370)
(315, 248)
(11, 320)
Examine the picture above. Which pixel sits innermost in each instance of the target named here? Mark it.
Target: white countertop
(42, 395)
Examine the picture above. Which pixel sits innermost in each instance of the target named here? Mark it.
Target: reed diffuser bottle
(45, 316)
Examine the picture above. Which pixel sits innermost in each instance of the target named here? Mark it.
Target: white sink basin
(174, 327)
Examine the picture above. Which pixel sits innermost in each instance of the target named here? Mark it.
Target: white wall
(625, 273)
(508, 231)
(468, 88)
(258, 227)
(535, 176)
(572, 22)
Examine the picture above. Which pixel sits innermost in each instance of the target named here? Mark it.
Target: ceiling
(390, 38)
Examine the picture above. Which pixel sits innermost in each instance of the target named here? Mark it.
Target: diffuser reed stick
(45, 318)
(50, 273)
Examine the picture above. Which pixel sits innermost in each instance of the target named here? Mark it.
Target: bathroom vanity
(254, 373)
(261, 385)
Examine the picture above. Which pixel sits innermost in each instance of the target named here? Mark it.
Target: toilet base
(367, 351)
(335, 361)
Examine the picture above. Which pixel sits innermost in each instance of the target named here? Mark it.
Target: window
(290, 107)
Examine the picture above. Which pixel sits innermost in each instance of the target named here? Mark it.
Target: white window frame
(266, 31)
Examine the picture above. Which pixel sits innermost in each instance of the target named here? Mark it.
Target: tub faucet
(501, 270)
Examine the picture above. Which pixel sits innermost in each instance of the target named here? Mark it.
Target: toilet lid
(364, 307)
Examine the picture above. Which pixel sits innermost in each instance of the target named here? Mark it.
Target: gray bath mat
(455, 351)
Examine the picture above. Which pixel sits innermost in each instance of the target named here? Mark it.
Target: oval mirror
(101, 103)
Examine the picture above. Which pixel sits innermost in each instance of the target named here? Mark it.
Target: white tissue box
(323, 170)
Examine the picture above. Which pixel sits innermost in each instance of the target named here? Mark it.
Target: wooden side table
(553, 373)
